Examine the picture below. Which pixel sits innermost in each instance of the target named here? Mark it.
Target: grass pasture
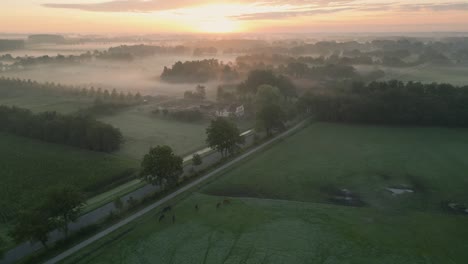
(280, 209)
(30, 167)
(142, 130)
(425, 73)
(60, 103)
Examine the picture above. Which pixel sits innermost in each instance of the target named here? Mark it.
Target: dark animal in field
(218, 205)
(161, 217)
(226, 201)
(167, 209)
(173, 218)
(196, 207)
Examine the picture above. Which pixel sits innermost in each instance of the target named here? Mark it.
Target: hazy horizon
(238, 16)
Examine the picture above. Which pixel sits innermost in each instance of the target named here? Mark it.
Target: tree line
(392, 102)
(12, 87)
(198, 71)
(74, 130)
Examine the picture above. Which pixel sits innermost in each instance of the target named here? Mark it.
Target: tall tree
(161, 166)
(197, 159)
(224, 136)
(271, 116)
(267, 94)
(33, 225)
(64, 205)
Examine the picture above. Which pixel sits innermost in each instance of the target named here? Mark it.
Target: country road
(187, 187)
(98, 214)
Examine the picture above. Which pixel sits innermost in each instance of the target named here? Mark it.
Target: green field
(142, 129)
(30, 167)
(281, 211)
(41, 101)
(424, 73)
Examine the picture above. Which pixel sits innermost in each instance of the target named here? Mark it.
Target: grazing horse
(218, 205)
(161, 217)
(226, 201)
(167, 209)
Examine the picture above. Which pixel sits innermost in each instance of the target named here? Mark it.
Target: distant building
(231, 111)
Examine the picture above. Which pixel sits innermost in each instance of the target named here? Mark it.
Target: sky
(231, 16)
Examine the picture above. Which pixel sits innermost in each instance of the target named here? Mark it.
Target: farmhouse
(231, 111)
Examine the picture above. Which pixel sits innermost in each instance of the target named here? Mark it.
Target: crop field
(30, 167)
(284, 205)
(425, 73)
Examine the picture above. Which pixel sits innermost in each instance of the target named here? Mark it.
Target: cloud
(282, 8)
(161, 5)
(287, 14)
(461, 6)
(127, 5)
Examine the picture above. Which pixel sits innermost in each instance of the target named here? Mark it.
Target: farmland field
(37, 103)
(30, 167)
(142, 129)
(282, 207)
(424, 73)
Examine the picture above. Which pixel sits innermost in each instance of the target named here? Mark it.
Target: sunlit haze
(207, 16)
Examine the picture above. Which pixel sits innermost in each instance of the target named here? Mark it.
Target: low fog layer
(141, 75)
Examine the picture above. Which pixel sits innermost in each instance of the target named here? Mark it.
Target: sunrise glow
(232, 16)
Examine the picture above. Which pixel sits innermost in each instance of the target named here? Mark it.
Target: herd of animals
(168, 209)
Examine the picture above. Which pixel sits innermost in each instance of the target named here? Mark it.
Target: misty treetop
(392, 102)
(256, 78)
(198, 71)
(79, 131)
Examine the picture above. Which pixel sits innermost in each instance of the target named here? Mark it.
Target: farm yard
(328, 194)
(30, 167)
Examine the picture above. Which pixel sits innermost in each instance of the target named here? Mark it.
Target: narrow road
(209, 158)
(187, 187)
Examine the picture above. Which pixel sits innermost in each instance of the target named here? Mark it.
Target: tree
(267, 94)
(1, 248)
(256, 78)
(161, 166)
(224, 136)
(64, 205)
(196, 159)
(201, 91)
(118, 204)
(271, 116)
(33, 225)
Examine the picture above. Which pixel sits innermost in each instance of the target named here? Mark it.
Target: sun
(221, 25)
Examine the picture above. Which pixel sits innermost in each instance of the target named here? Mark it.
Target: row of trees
(392, 102)
(75, 130)
(13, 87)
(124, 53)
(162, 167)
